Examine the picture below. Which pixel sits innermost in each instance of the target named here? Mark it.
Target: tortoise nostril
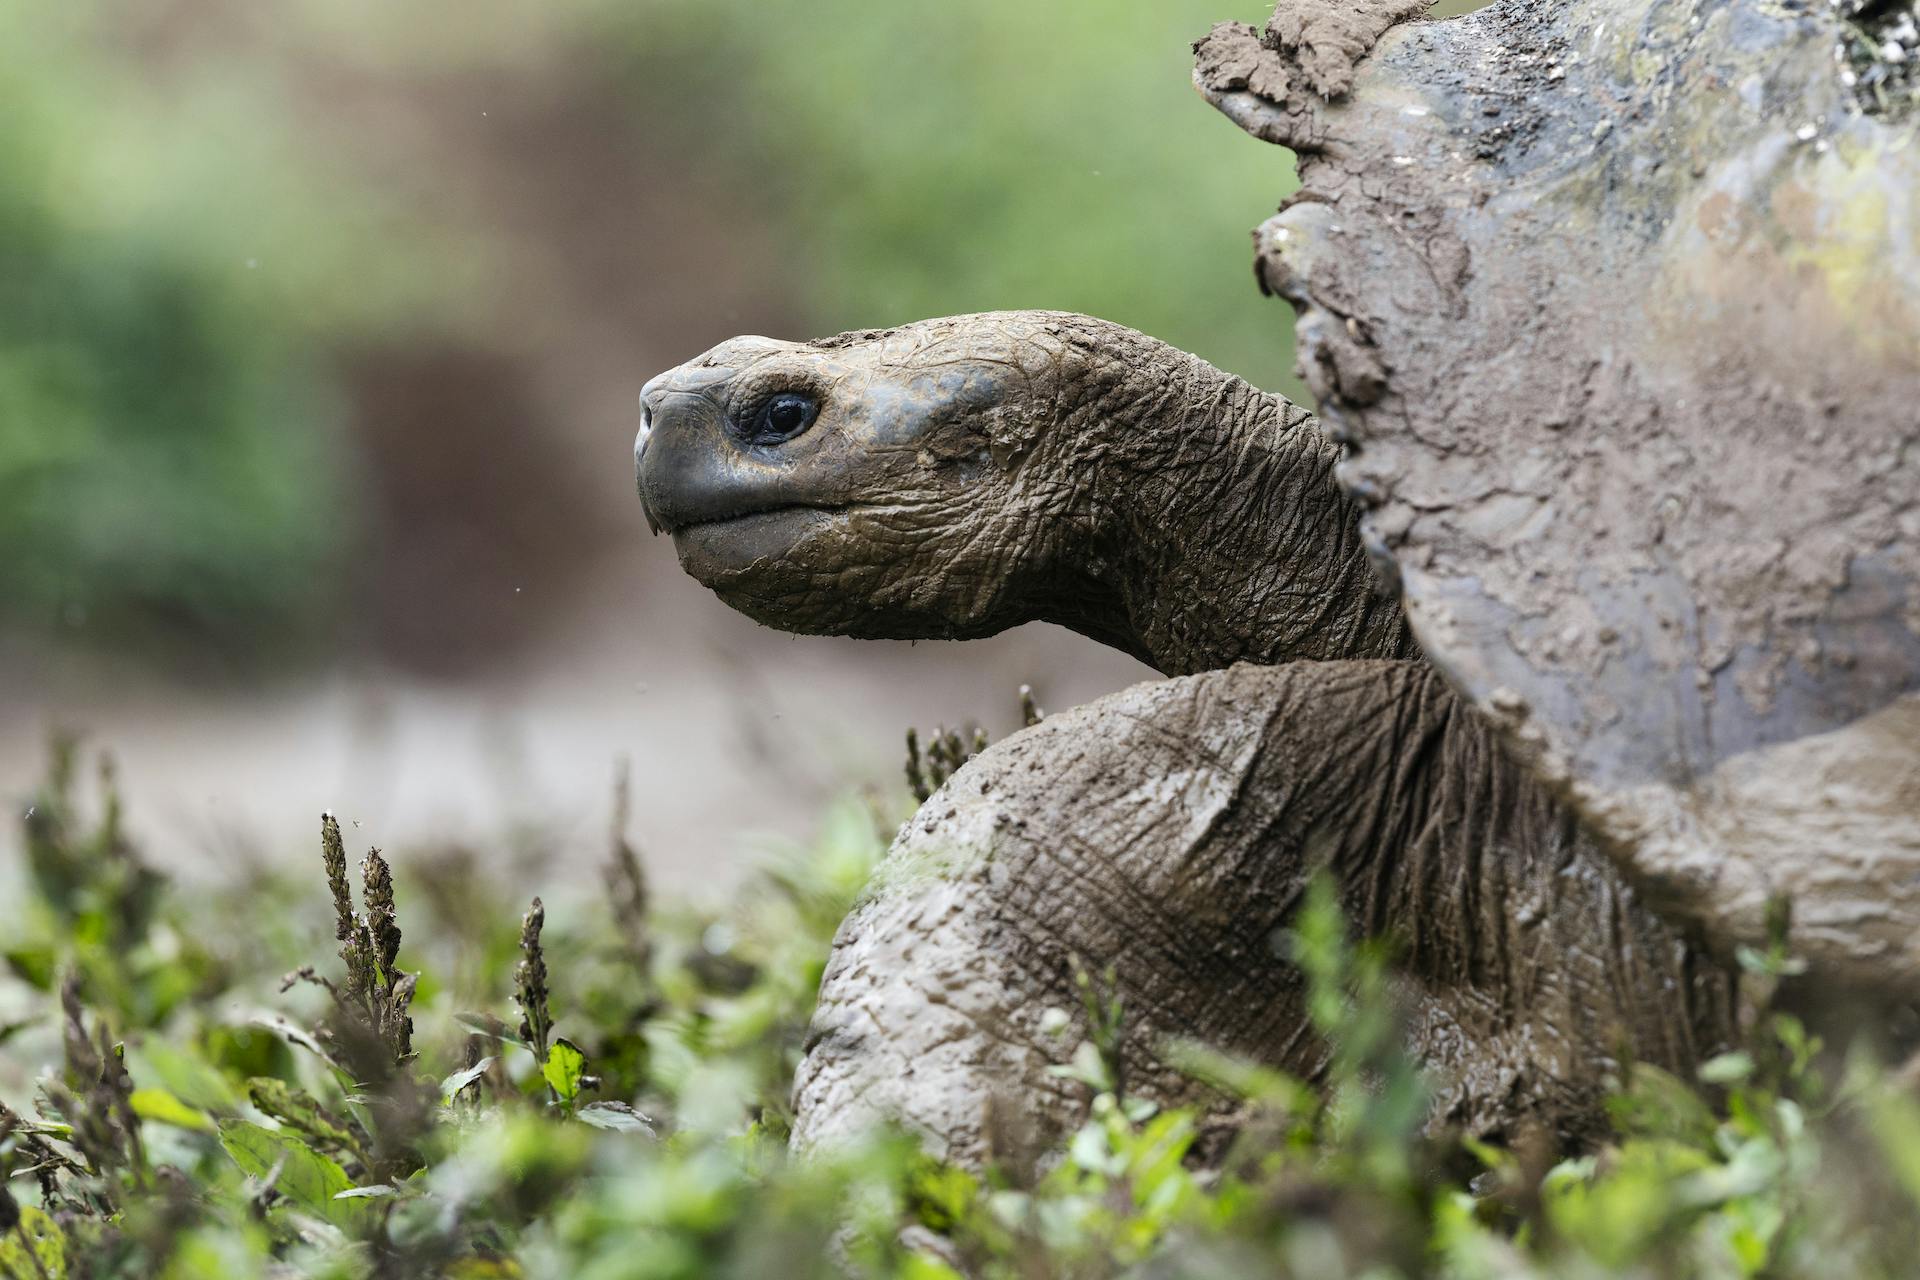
(639, 466)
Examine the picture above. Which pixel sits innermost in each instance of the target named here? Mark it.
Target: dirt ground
(737, 736)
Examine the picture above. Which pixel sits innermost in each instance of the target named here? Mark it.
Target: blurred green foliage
(935, 159)
(160, 450)
(189, 244)
(171, 280)
(198, 1116)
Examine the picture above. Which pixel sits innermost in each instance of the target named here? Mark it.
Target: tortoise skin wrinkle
(1622, 350)
(965, 475)
(1168, 831)
(969, 474)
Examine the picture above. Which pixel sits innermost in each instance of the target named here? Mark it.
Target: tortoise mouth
(715, 546)
(746, 517)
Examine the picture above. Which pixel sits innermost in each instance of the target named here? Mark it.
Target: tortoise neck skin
(1220, 534)
(956, 477)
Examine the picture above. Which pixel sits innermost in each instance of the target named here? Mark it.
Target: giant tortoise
(1654, 682)
(955, 477)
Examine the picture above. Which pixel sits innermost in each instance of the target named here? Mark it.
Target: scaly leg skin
(1168, 831)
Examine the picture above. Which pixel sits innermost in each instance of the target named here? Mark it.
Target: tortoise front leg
(1168, 832)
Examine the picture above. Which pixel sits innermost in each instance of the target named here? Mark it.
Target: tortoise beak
(640, 456)
(682, 459)
(688, 467)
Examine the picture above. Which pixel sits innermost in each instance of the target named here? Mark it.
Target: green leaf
(1728, 1068)
(298, 1110)
(185, 1074)
(299, 1036)
(1088, 1067)
(34, 965)
(484, 1024)
(563, 1068)
(617, 1116)
(450, 1087)
(39, 1231)
(161, 1107)
(1896, 1127)
(484, 1269)
(306, 1178)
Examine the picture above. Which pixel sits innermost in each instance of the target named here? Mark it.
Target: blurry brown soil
(493, 451)
(505, 466)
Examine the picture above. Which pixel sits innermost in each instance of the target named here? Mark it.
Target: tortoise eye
(782, 418)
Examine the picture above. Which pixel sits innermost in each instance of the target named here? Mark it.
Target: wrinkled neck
(1218, 533)
(1488, 885)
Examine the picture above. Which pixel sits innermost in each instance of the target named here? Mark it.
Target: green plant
(372, 1119)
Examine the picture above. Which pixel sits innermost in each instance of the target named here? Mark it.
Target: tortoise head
(867, 484)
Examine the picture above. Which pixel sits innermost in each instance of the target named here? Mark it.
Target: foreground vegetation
(413, 1078)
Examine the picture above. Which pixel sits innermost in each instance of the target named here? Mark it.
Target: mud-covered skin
(963, 475)
(1168, 831)
(969, 474)
(1619, 303)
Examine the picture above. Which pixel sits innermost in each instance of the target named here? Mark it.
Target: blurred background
(322, 325)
